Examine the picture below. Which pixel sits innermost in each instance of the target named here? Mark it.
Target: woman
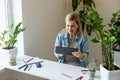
(73, 37)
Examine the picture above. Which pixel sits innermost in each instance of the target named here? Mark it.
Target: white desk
(50, 70)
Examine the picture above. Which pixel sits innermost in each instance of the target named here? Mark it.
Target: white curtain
(8, 12)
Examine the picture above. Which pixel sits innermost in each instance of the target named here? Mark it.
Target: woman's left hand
(78, 54)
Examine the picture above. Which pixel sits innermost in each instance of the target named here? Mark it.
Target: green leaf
(74, 4)
(9, 36)
(94, 40)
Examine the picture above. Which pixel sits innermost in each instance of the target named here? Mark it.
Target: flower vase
(9, 55)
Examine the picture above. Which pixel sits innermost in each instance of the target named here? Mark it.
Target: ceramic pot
(109, 75)
(9, 55)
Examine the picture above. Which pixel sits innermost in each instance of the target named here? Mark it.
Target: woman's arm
(83, 53)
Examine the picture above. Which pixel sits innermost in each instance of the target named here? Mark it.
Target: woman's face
(71, 27)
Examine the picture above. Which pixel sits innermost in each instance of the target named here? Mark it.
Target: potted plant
(108, 39)
(8, 39)
(91, 68)
(105, 37)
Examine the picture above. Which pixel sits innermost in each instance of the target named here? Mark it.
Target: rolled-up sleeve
(84, 48)
(57, 43)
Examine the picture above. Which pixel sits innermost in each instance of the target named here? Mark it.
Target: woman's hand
(78, 54)
(60, 55)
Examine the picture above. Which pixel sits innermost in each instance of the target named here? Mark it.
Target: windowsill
(2, 69)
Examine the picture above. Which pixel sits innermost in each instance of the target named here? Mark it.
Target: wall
(43, 19)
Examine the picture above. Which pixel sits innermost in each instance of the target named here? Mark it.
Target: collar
(76, 37)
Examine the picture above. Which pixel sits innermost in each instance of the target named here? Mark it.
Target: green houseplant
(8, 39)
(91, 68)
(104, 36)
(108, 38)
(91, 64)
(83, 11)
(94, 24)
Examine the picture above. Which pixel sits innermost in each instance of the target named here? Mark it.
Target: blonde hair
(75, 17)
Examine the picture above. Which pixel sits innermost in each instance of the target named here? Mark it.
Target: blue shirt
(80, 42)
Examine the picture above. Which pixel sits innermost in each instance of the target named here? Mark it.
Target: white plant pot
(109, 75)
(8, 53)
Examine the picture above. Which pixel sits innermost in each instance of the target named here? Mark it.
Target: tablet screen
(65, 50)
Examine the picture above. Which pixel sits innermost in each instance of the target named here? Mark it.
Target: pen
(29, 60)
(22, 66)
(30, 67)
(26, 67)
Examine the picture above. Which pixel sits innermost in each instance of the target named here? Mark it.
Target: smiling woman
(73, 37)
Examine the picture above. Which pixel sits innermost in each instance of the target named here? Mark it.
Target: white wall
(43, 19)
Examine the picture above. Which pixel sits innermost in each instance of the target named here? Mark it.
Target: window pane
(2, 15)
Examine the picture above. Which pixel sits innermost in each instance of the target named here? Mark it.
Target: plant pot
(9, 55)
(91, 75)
(109, 75)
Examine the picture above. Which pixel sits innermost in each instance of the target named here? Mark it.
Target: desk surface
(50, 70)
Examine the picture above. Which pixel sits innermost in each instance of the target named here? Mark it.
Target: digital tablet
(65, 50)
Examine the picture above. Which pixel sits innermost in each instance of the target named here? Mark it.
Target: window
(11, 12)
(2, 15)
